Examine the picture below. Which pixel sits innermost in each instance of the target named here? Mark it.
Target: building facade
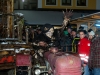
(57, 4)
(70, 4)
(25, 4)
(54, 17)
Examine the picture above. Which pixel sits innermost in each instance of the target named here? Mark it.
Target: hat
(84, 31)
(46, 27)
(74, 30)
(90, 30)
(81, 28)
(92, 33)
(69, 27)
(98, 33)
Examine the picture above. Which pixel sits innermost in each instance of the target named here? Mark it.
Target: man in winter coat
(91, 34)
(84, 50)
(94, 58)
(75, 40)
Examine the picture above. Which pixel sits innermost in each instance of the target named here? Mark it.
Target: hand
(84, 65)
(49, 71)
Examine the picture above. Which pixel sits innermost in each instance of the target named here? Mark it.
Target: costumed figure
(45, 38)
(62, 63)
(41, 44)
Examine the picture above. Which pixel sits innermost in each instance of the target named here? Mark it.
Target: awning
(87, 18)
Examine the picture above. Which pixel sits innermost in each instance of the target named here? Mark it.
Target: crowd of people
(85, 43)
(88, 48)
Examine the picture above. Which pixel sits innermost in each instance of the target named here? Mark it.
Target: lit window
(50, 2)
(81, 2)
(66, 2)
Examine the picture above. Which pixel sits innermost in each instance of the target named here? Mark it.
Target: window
(81, 2)
(66, 2)
(50, 2)
(29, 4)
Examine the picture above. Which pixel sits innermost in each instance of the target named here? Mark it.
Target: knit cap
(92, 33)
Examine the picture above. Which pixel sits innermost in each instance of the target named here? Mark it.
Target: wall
(27, 4)
(39, 3)
(16, 5)
(21, 4)
(91, 5)
(98, 4)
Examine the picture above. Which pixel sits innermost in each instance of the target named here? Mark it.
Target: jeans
(95, 71)
(86, 70)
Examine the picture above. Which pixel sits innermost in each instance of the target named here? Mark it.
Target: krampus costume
(42, 43)
(47, 36)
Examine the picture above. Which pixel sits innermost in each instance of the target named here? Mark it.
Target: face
(50, 32)
(69, 30)
(32, 31)
(82, 35)
(73, 33)
(39, 32)
(42, 43)
(90, 36)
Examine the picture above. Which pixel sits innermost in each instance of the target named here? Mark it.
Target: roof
(42, 17)
(87, 18)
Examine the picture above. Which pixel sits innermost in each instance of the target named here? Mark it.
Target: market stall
(91, 21)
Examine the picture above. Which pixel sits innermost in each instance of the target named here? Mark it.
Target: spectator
(66, 40)
(75, 41)
(69, 39)
(74, 33)
(31, 35)
(83, 50)
(69, 29)
(90, 30)
(94, 58)
(91, 35)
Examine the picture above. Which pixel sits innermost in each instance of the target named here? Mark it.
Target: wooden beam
(82, 21)
(10, 7)
(78, 25)
(94, 28)
(88, 24)
(95, 17)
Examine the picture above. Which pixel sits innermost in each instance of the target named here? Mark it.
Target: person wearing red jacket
(84, 50)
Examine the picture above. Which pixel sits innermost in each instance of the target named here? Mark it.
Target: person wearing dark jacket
(45, 37)
(75, 40)
(69, 39)
(42, 43)
(94, 58)
(91, 35)
(66, 40)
